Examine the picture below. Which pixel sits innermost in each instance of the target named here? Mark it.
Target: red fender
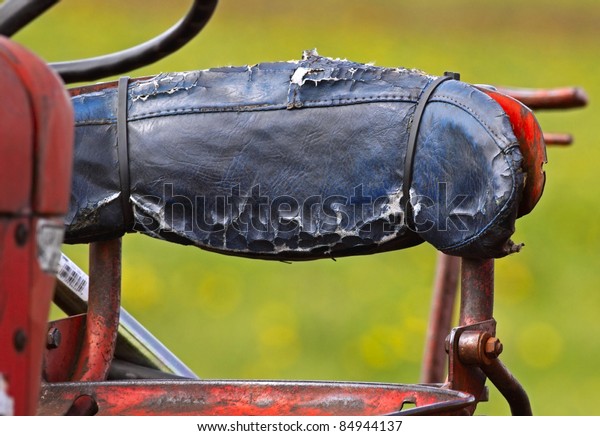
(36, 145)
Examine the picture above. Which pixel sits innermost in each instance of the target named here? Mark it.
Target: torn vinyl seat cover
(301, 160)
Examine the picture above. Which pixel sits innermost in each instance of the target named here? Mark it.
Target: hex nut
(53, 338)
(493, 347)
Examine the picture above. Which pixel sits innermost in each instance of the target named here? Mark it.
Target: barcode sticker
(73, 277)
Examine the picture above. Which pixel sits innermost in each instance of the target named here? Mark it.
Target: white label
(73, 277)
(49, 237)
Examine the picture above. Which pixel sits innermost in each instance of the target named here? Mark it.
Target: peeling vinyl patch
(298, 76)
(164, 84)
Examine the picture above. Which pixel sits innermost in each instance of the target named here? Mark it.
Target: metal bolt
(21, 234)
(493, 347)
(53, 338)
(19, 340)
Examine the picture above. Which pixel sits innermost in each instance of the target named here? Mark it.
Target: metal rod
(556, 98)
(84, 405)
(135, 343)
(16, 14)
(477, 291)
(476, 312)
(104, 303)
(558, 139)
(144, 54)
(509, 387)
(440, 318)
(122, 370)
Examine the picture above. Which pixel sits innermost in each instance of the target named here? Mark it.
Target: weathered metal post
(440, 318)
(103, 312)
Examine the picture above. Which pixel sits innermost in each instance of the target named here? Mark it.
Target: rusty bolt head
(493, 347)
(53, 338)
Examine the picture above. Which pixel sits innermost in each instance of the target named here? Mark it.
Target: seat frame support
(472, 356)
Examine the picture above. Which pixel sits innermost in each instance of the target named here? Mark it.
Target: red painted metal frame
(88, 341)
(92, 396)
(469, 363)
(60, 359)
(460, 395)
(104, 305)
(36, 140)
(230, 397)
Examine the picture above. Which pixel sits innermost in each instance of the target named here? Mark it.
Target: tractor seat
(317, 158)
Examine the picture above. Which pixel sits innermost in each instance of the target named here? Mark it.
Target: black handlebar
(15, 14)
(144, 54)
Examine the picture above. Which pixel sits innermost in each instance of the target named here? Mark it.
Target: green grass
(365, 318)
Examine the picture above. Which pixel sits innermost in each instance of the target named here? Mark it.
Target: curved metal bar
(146, 53)
(509, 387)
(16, 14)
(104, 303)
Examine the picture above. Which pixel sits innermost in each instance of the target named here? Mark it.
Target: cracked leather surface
(298, 160)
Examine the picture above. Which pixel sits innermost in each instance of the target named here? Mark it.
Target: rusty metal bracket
(60, 357)
(473, 354)
(462, 375)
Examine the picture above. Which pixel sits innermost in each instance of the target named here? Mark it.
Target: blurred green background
(365, 318)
